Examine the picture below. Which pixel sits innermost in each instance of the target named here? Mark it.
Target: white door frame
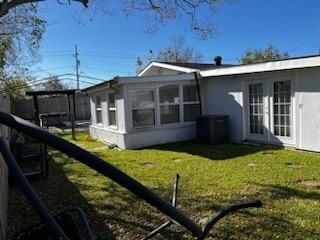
(281, 139)
(251, 136)
(268, 135)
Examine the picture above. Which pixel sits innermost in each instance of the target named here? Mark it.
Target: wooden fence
(4, 132)
(52, 104)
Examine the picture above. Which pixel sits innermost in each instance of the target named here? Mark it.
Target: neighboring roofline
(278, 65)
(136, 79)
(157, 78)
(49, 92)
(106, 83)
(167, 66)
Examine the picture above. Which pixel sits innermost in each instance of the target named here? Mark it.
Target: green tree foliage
(270, 53)
(16, 87)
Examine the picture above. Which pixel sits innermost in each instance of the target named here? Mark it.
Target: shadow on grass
(58, 194)
(115, 213)
(283, 192)
(215, 152)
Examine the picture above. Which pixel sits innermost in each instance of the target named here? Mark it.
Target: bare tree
(7, 5)
(177, 51)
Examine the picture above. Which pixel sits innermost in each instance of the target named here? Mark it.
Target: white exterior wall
(156, 136)
(102, 131)
(156, 71)
(125, 135)
(224, 96)
(308, 109)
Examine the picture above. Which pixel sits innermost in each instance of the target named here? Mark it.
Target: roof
(277, 65)
(205, 70)
(182, 67)
(105, 83)
(48, 92)
(199, 66)
(137, 79)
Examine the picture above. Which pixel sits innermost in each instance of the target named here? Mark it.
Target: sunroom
(134, 112)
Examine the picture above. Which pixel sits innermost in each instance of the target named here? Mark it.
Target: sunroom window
(98, 109)
(143, 107)
(191, 103)
(112, 110)
(169, 104)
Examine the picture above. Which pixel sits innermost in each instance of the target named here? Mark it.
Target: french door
(269, 111)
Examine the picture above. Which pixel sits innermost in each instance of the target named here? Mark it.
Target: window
(256, 108)
(191, 103)
(98, 109)
(112, 110)
(143, 107)
(169, 104)
(282, 108)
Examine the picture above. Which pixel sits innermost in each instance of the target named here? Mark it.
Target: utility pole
(77, 65)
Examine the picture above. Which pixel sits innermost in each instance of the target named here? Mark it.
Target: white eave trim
(306, 62)
(167, 66)
(157, 78)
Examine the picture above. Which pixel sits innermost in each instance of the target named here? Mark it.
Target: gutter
(198, 90)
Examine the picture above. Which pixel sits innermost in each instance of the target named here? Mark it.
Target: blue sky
(108, 46)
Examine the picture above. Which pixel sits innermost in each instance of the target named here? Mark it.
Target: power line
(104, 69)
(49, 69)
(41, 81)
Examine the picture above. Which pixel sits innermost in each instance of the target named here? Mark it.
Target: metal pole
(36, 109)
(198, 90)
(74, 106)
(77, 66)
(71, 118)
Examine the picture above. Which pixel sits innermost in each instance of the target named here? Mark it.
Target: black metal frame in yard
(105, 169)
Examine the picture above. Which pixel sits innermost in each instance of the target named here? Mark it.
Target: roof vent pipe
(218, 60)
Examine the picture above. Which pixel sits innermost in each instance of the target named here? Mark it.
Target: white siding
(144, 138)
(156, 71)
(308, 109)
(224, 96)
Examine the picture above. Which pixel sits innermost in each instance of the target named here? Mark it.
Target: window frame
(189, 102)
(155, 88)
(178, 86)
(112, 109)
(154, 108)
(98, 109)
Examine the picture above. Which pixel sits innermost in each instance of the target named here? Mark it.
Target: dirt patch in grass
(295, 165)
(176, 159)
(251, 164)
(311, 183)
(269, 153)
(147, 165)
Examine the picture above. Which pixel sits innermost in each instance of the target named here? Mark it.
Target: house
(273, 102)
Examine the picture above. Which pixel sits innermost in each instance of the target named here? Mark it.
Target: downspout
(198, 90)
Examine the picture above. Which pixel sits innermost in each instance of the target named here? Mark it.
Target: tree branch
(6, 5)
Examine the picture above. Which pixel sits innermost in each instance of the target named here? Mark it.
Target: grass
(211, 178)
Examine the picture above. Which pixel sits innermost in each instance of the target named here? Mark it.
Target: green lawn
(211, 178)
